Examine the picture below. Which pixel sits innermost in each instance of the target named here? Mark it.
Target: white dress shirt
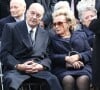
(33, 31)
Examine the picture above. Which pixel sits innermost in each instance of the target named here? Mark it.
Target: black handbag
(68, 65)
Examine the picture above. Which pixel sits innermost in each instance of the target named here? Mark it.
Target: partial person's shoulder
(42, 30)
(7, 19)
(16, 24)
(95, 25)
(80, 33)
(11, 24)
(3, 19)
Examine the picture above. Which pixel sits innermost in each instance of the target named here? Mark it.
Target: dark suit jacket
(16, 48)
(90, 35)
(97, 6)
(95, 27)
(5, 20)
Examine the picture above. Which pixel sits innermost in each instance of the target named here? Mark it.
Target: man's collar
(29, 28)
(21, 18)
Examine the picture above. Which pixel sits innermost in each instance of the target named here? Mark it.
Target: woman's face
(60, 25)
(87, 17)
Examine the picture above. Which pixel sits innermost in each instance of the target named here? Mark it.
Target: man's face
(16, 9)
(34, 16)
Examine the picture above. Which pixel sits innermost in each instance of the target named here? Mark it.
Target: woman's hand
(71, 59)
(78, 64)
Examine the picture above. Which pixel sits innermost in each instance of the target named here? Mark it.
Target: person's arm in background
(52, 3)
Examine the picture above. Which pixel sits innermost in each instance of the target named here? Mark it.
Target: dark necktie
(31, 36)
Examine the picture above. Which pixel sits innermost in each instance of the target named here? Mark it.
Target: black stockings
(81, 82)
(68, 82)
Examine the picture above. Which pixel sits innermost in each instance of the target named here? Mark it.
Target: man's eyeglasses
(58, 23)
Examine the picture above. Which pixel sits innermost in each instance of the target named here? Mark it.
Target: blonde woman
(70, 53)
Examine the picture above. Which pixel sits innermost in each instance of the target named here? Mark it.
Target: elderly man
(25, 56)
(17, 10)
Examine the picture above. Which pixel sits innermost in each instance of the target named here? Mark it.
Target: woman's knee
(83, 82)
(83, 79)
(68, 79)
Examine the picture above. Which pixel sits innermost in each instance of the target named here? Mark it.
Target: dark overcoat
(95, 27)
(16, 48)
(3, 21)
(90, 35)
(97, 6)
(61, 48)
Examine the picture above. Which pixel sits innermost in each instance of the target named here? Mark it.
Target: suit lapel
(12, 19)
(24, 34)
(39, 39)
(25, 39)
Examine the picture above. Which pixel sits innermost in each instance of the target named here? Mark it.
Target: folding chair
(1, 77)
(29, 84)
(1, 74)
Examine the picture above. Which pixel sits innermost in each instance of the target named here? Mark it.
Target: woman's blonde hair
(70, 18)
(62, 4)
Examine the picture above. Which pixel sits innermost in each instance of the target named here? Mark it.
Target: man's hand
(35, 68)
(29, 67)
(25, 66)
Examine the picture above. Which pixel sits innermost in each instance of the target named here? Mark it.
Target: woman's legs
(68, 82)
(83, 82)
